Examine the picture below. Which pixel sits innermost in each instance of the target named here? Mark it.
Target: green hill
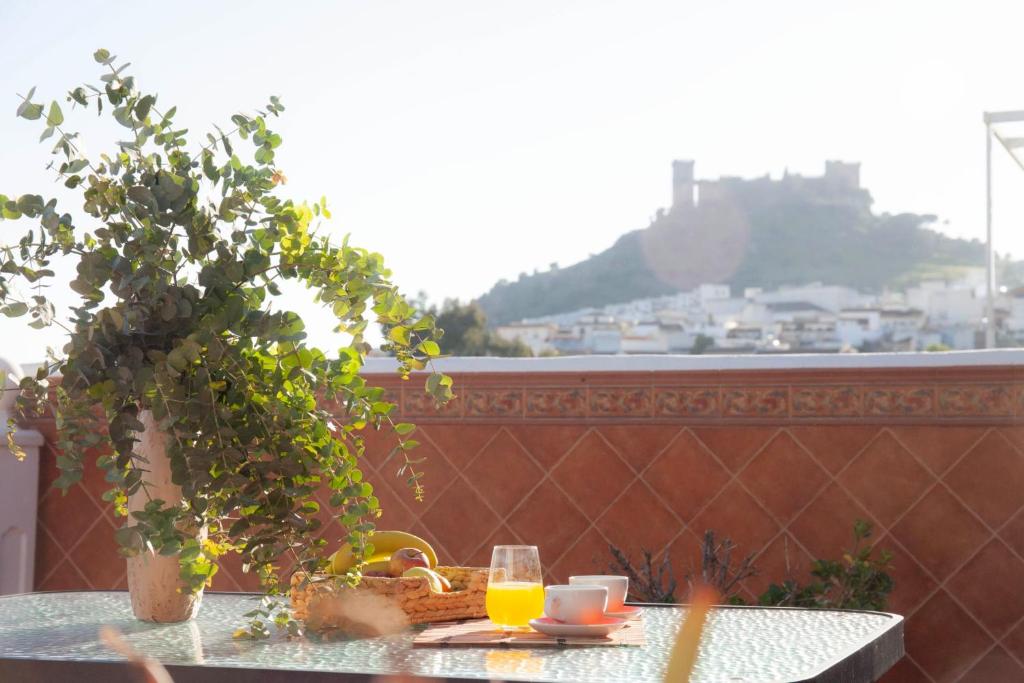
(747, 233)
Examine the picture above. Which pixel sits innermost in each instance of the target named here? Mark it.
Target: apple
(407, 558)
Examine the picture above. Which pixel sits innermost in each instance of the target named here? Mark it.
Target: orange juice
(511, 604)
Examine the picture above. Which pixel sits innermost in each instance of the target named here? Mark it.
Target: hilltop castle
(839, 186)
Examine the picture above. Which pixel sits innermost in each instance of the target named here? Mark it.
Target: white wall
(19, 487)
(682, 362)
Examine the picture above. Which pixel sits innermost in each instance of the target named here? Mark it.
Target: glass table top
(741, 644)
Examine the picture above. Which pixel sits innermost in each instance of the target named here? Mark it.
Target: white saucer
(558, 629)
(627, 612)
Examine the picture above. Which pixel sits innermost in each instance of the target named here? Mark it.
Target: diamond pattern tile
(734, 447)
(438, 473)
(92, 479)
(736, 514)
(546, 443)
(639, 444)
(656, 527)
(905, 671)
(825, 527)
(886, 478)
(90, 555)
(49, 554)
(959, 638)
(68, 517)
(460, 517)
(784, 477)
(505, 472)
(996, 665)
(686, 475)
(990, 479)
(588, 555)
(1013, 533)
(397, 511)
(940, 532)
(481, 557)
(548, 520)
(991, 586)
(834, 445)
(460, 445)
(782, 559)
(684, 554)
(377, 446)
(593, 474)
(1014, 641)
(912, 585)
(938, 446)
(1015, 435)
(64, 577)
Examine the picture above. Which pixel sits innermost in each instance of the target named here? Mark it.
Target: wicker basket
(321, 603)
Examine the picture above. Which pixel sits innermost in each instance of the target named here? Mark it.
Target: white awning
(1008, 129)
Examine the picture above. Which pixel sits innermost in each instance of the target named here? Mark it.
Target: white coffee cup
(584, 604)
(618, 587)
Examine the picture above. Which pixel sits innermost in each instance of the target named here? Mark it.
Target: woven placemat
(482, 633)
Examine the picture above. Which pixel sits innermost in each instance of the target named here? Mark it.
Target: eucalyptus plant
(181, 251)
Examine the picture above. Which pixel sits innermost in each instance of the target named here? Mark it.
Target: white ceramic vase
(157, 593)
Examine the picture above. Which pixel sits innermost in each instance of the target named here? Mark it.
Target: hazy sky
(493, 138)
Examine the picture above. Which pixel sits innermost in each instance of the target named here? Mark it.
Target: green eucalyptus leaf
(30, 111)
(55, 117)
(13, 310)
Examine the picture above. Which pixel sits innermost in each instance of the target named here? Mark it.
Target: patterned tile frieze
(419, 404)
(686, 402)
(620, 401)
(493, 402)
(925, 402)
(835, 401)
(556, 402)
(906, 401)
(974, 399)
(755, 401)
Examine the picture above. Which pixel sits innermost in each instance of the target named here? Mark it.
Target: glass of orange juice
(515, 591)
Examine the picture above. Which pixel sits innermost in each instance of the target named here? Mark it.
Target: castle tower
(843, 174)
(682, 183)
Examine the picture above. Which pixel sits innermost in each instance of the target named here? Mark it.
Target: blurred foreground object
(152, 671)
(684, 654)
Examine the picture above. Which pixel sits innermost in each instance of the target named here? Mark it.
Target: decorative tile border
(797, 402)
(417, 403)
(493, 402)
(556, 402)
(836, 401)
(935, 397)
(620, 402)
(755, 401)
(912, 401)
(687, 402)
(974, 399)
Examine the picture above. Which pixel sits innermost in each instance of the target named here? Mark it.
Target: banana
(377, 566)
(384, 543)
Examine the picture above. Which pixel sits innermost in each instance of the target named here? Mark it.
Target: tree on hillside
(701, 344)
(466, 333)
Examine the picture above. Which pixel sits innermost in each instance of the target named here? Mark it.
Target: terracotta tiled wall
(781, 462)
